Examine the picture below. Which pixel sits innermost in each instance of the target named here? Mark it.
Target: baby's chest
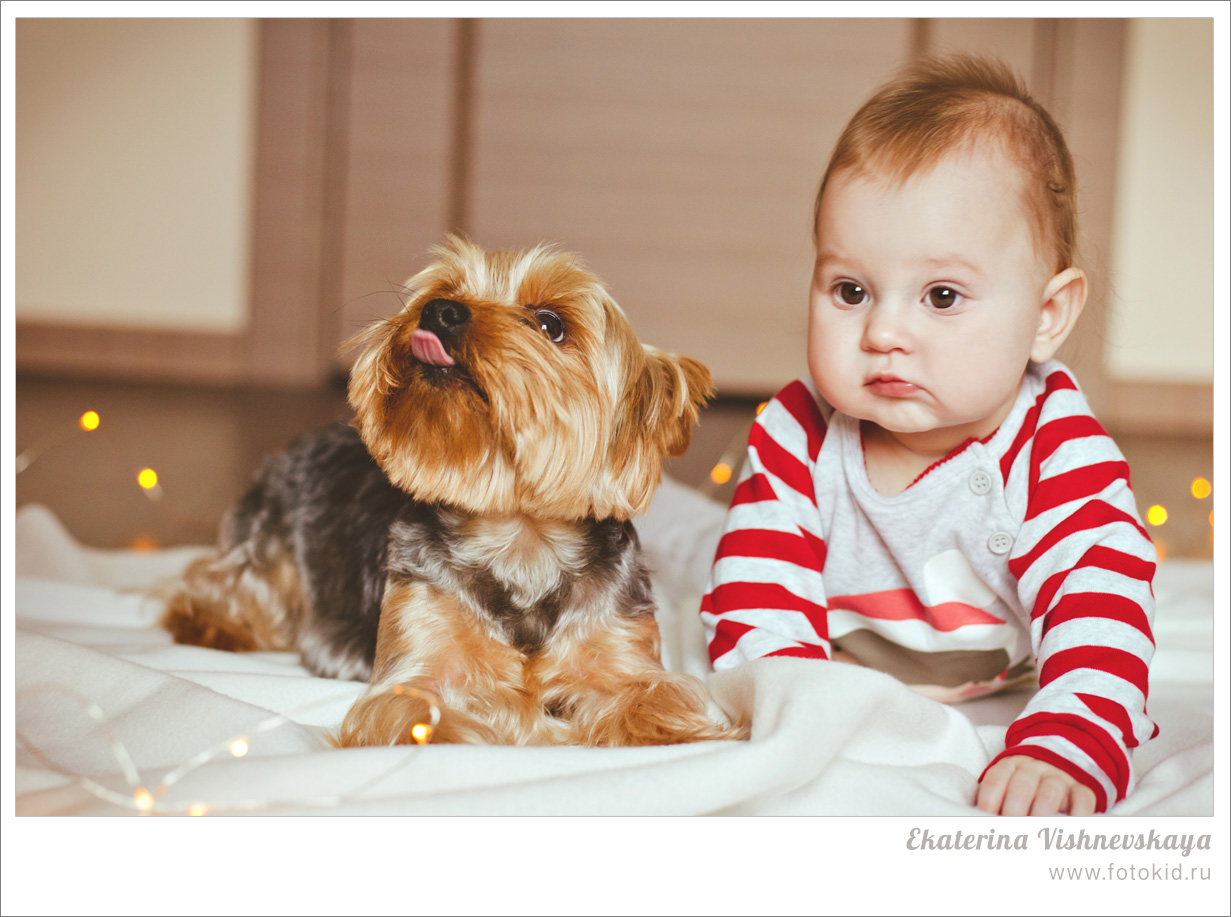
(943, 544)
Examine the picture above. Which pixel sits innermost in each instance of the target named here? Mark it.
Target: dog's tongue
(427, 348)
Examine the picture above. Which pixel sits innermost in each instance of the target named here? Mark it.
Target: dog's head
(513, 382)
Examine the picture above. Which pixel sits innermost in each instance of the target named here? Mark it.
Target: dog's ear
(668, 399)
(654, 419)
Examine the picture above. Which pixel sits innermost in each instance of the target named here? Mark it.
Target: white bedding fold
(827, 738)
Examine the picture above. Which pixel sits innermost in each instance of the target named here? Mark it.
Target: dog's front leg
(432, 651)
(612, 683)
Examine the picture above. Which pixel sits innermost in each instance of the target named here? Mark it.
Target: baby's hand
(1021, 785)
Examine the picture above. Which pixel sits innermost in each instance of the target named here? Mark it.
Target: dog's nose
(444, 317)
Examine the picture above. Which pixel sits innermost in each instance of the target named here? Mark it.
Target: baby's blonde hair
(939, 105)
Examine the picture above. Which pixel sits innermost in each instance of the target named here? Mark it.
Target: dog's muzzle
(441, 323)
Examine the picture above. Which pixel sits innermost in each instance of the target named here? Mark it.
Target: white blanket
(109, 710)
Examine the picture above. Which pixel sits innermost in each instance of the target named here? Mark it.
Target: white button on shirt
(980, 482)
(1000, 543)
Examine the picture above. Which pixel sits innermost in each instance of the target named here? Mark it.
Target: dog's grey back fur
(326, 503)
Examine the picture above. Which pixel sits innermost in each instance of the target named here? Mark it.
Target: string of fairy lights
(721, 473)
(143, 798)
(146, 800)
(147, 797)
(88, 422)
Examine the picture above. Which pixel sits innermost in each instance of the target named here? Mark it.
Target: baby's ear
(671, 394)
(1063, 299)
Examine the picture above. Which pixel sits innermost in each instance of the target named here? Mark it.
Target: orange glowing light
(198, 808)
(761, 406)
(1201, 488)
(147, 478)
(421, 732)
(238, 748)
(143, 799)
(144, 543)
(89, 420)
(721, 473)
(1156, 515)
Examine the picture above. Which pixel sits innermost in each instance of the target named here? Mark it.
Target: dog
(466, 544)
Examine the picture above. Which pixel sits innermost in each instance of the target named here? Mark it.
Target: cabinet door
(398, 120)
(680, 159)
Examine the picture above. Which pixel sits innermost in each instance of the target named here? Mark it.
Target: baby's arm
(1022, 785)
(766, 596)
(1084, 566)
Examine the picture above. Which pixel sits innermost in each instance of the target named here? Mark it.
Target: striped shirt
(1016, 557)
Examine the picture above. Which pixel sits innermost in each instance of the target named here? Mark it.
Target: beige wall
(134, 152)
(1162, 314)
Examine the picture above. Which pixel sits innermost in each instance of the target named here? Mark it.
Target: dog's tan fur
(527, 457)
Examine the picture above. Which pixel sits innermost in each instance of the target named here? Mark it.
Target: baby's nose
(887, 328)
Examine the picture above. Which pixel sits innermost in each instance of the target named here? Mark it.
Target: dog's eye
(550, 325)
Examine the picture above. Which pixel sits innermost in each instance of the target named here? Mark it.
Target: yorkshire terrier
(469, 538)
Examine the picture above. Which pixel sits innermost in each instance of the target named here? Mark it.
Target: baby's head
(942, 106)
(945, 229)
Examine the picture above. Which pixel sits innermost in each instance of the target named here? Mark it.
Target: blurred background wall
(224, 201)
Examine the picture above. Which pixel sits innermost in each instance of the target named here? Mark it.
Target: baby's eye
(850, 293)
(943, 298)
(551, 325)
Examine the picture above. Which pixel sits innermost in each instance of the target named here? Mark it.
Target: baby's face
(926, 297)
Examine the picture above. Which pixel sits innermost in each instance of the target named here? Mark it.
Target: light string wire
(146, 801)
(147, 478)
(730, 463)
(88, 422)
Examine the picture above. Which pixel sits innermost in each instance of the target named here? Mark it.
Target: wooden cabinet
(679, 157)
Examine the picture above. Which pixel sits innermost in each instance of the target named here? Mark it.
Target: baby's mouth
(890, 386)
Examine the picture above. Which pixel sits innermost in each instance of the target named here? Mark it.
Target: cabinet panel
(398, 159)
(680, 158)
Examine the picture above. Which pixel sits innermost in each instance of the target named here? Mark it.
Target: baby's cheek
(829, 364)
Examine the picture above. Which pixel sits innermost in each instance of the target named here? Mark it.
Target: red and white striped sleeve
(766, 596)
(1084, 566)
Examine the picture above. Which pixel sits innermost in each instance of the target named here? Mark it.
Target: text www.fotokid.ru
(1114, 873)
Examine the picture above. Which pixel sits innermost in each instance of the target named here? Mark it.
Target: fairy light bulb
(147, 478)
(198, 808)
(1201, 488)
(721, 473)
(143, 799)
(238, 747)
(421, 733)
(87, 421)
(1156, 515)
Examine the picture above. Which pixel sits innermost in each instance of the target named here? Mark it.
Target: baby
(936, 501)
